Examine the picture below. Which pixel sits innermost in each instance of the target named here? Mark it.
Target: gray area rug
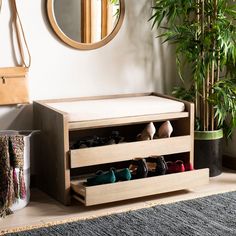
(212, 215)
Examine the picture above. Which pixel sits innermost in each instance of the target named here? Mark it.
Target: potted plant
(204, 35)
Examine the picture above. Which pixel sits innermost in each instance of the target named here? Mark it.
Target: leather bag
(13, 80)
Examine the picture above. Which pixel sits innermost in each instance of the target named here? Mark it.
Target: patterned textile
(12, 187)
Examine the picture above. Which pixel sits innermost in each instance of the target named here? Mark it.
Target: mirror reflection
(86, 21)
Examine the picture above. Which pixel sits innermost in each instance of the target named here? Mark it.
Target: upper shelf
(125, 120)
(117, 110)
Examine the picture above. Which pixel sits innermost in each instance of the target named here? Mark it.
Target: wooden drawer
(93, 195)
(127, 151)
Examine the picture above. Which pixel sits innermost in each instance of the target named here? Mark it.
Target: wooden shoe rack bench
(61, 171)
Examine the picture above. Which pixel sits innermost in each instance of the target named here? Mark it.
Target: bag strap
(19, 31)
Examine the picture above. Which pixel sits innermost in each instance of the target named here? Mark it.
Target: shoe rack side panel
(185, 125)
(52, 163)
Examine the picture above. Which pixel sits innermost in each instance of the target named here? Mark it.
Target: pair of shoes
(138, 168)
(159, 168)
(150, 133)
(178, 166)
(110, 176)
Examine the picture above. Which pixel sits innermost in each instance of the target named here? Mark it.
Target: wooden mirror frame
(84, 46)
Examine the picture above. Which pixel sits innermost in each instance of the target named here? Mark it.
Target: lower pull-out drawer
(92, 195)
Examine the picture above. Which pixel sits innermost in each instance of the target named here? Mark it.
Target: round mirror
(86, 24)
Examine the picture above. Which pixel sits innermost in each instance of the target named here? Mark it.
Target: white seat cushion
(117, 107)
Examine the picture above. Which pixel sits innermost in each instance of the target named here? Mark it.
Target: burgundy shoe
(174, 167)
(188, 166)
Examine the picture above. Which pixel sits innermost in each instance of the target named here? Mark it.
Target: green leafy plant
(117, 4)
(204, 34)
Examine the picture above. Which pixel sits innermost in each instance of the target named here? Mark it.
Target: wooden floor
(45, 210)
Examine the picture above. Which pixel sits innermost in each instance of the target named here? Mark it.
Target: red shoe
(174, 167)
(188, 166)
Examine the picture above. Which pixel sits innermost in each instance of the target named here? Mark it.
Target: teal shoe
(122, 175)
(102, 178)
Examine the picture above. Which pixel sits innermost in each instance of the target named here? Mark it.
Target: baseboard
(229, 162)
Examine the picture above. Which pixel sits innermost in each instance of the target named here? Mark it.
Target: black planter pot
(208, 151)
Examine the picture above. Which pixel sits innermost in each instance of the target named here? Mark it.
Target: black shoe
(91, 141)
(115, 138)
(161, 166)
(79, 144)
(139, 169)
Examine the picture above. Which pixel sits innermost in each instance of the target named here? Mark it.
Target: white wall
(134, 61)
(128, 64)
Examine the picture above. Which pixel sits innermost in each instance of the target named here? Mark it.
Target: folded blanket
(12, 187)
